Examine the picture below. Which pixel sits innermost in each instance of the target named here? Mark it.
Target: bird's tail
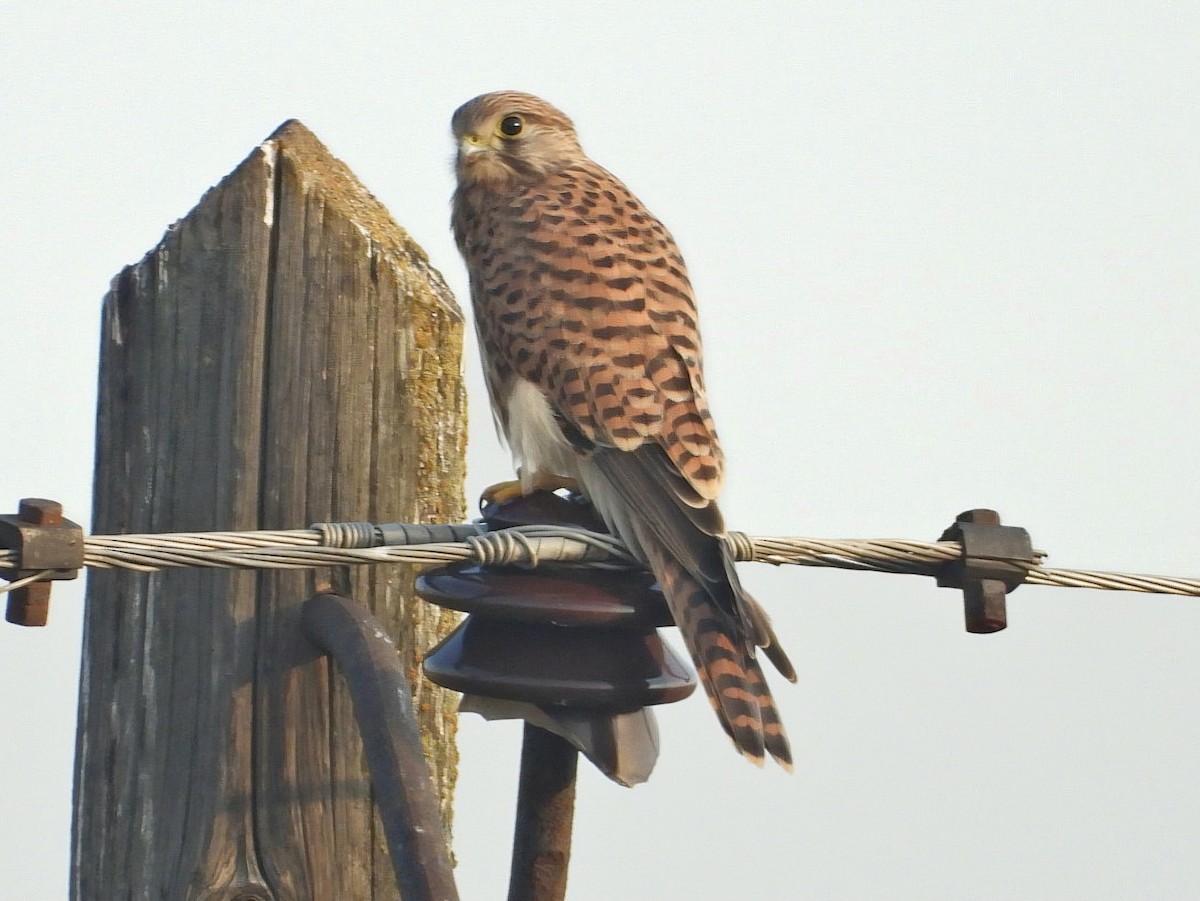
(724, 660)
(680, 536)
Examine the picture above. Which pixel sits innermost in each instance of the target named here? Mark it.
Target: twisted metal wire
(340, 544)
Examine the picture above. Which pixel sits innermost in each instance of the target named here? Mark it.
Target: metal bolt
(39, 511)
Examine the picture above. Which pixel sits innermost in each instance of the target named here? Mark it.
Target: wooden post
(286, 355)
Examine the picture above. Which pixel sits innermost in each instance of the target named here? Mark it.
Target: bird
(591, 353)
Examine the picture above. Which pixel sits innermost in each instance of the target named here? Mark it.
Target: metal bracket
(44, 540)
(984, 572)
(406, 801)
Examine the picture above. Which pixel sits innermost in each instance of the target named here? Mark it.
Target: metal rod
(404, 793)
(545, 809)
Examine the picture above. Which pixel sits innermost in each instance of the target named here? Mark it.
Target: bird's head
(507, 139)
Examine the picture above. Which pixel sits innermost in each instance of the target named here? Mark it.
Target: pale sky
(946, 256)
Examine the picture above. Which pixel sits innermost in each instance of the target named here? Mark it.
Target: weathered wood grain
(286, 355)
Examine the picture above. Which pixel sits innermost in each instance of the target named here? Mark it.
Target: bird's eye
(511, 126)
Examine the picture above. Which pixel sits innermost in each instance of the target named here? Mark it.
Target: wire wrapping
(342, 544)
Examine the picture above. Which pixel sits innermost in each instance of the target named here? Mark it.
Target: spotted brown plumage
(591, 352)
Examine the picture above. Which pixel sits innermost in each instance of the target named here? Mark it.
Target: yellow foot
(503, 492)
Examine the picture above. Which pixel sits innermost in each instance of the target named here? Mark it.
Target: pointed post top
(339, 187)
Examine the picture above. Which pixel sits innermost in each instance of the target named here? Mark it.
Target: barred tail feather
(639, 495)
(731, 676)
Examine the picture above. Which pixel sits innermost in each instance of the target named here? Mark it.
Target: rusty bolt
(39, 511)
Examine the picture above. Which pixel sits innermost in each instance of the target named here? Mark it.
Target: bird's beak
(471, 143)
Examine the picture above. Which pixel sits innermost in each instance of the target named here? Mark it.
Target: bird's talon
(501, 493)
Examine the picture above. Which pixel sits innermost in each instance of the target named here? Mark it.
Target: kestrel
(591, 352)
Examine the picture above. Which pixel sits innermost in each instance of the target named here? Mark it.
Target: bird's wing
(595, 308)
